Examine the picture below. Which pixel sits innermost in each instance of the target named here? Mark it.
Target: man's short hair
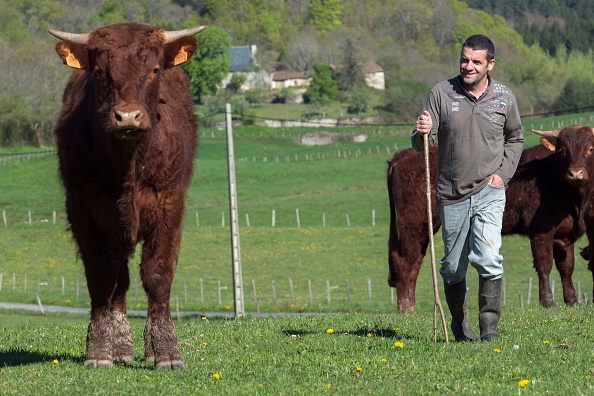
(480, 42)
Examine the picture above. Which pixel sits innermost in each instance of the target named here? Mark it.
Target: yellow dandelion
(396, 329)
(565, 340)
(369, 335)
(545, 342)
(497, 350)
(56, 361)
(330, 331)
(203, 318)
(399, 344)
(205, 344)
(216, 376)
(384, 360)
(359, 369)
(328, 386)
(260, 385)
(523, 383)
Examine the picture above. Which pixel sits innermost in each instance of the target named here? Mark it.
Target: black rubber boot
(489, 308)
(456, 299)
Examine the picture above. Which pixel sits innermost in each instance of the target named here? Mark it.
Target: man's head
(476, 60)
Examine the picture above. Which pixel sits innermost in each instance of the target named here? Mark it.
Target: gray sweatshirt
(477, 137)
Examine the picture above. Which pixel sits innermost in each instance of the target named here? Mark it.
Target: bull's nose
(577, 174)
(128, 118)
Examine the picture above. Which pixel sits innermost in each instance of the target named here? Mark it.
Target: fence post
(298, 219)
(529, 291)
(369, 290)
(309, 288)
(4, 218)
(273, 293)
(348, 290)
(292, 291)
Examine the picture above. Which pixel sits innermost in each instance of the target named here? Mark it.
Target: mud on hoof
(99, 343)
(161, 346)
(123, 343)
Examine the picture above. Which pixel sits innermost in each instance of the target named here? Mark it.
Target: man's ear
(180, 51)
(549, 142)
(73, 54)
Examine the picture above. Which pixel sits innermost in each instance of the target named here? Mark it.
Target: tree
(210, 63)
(302, 51)
(325, 14)
(322, 86)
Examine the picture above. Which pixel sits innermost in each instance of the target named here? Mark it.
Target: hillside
(416, 43)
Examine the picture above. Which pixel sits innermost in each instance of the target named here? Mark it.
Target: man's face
(474, 67)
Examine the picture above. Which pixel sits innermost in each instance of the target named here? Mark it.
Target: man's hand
(424, 123)
(496, 181)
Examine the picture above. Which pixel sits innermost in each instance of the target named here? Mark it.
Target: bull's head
(125, 63)
(574, 147)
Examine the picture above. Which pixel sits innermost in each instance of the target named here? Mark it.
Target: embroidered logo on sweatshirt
(455, 106)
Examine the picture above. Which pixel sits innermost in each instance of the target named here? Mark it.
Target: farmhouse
(374, 75)
(243, 60)
(286, 78)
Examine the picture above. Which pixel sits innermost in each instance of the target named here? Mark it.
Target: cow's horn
(74, 37)
(554, 133)
(174, 35)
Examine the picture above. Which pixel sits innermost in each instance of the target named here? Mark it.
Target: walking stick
(437, 302)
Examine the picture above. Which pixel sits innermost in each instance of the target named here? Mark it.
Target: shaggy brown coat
(126, 138)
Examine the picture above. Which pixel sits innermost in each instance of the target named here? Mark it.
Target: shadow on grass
(363, 332)
(19, 357)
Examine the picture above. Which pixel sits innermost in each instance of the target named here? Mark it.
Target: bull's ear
(180, 51)
(73, 54)
(549, 142)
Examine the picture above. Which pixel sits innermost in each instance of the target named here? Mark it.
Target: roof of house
(284, 75)
(241, 59)
(371, 66)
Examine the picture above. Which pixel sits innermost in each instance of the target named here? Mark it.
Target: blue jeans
(471, 232)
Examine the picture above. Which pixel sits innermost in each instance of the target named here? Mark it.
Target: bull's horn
(174, 35)
(553, 133)
(77, 38)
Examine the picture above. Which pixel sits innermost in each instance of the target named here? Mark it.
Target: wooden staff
(437, 302)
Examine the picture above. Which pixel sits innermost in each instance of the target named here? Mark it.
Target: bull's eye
(98, 73)
(156, 70)
(590, 150)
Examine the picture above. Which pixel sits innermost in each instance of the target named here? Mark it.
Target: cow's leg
(123, 348)
(101, 284)
(159, 257)
(542, 253)
(404, 264)
(565, 261)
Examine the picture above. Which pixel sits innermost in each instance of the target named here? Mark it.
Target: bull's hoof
(171, 365)
(126, 359)
(93, 364)
(548, 303)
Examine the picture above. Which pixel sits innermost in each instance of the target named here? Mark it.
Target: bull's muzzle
(577, 175)
(128, 119)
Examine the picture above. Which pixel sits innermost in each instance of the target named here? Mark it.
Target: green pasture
(333, 260)
(541, 351)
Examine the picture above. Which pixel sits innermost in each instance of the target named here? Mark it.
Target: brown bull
(545, 201)
(126, 138)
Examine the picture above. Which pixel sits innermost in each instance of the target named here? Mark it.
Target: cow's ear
(549, 142)
(73, 54)
(180, 51)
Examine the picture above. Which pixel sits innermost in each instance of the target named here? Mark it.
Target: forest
(544, 48)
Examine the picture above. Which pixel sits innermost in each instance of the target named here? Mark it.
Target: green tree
(325, 14)
(322, 87)
(210, 63)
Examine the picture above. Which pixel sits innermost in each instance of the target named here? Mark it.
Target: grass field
(542, 351)
(335, 347)
(274, 173)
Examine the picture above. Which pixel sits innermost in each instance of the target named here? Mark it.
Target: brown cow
(126, 138)
(545, 200)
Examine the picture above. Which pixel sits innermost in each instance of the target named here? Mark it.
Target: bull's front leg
(159, 256)
(542, 253)
(565, 262)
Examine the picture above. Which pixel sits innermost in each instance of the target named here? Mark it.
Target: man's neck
(478, 89)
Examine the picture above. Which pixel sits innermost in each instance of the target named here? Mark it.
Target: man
(480, 142)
